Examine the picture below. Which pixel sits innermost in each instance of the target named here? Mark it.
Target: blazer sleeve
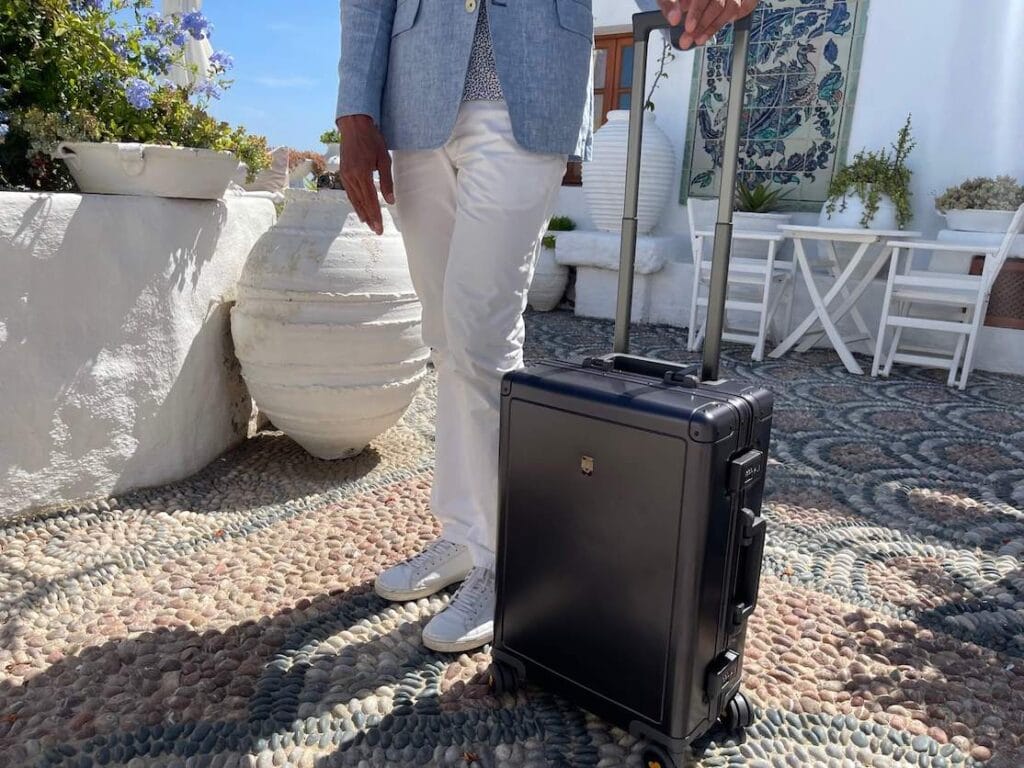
(365, 46)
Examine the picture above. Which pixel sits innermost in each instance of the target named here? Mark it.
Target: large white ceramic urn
(327, 325)
(604, 184)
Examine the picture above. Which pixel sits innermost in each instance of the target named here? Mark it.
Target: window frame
(614, 43)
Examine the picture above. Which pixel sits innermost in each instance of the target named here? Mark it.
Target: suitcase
(630, 537)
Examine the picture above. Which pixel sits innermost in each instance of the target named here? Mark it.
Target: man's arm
(362, 72)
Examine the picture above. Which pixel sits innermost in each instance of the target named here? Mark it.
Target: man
(481, 101)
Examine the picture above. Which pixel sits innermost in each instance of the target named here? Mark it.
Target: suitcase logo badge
(587, 465)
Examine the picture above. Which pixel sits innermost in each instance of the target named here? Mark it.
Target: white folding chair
(908, 292)
(764, 281)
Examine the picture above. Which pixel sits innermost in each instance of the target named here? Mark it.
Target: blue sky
(286, 66)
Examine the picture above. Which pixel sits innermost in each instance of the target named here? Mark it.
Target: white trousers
(472, 214)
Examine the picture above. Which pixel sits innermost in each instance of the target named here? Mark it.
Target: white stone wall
(116, 365)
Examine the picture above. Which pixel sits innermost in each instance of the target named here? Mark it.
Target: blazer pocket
(576, 16)
(405, 16)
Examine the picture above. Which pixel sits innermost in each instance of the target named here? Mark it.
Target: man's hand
(363, 151)
(703, 17)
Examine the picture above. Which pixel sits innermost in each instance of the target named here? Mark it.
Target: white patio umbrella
(197, 52)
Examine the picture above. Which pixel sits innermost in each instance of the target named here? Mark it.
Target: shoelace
(434, 553)
(475, 589)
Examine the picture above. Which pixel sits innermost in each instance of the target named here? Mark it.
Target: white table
(823, 318)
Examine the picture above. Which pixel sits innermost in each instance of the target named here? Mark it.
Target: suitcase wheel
(655, 756)
(502, 678)
(738, 713)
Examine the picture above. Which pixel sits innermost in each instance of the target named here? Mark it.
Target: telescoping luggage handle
(643, 25)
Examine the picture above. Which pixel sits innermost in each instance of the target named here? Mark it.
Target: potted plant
(873, 191)
(756, 207)
(604, 185)
(549, 277)
(327, 326)
(981, 204)
(90, 106)
(332, 142)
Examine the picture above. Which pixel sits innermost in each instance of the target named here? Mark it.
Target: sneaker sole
(406, 595)
(457, 646)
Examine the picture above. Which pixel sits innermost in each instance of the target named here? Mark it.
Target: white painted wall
(956, 65)
(116, 364)
(959, 68)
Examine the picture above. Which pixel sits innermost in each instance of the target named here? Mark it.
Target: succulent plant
(761, 198)
(1002, 193)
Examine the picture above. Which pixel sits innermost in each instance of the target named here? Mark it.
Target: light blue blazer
(403, 62)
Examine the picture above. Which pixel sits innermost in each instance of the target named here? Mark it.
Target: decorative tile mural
(802, 76)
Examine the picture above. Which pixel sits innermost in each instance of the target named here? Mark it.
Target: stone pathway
(228, 620)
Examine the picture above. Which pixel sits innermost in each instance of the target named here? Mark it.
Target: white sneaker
(468, 621)
(439, 565)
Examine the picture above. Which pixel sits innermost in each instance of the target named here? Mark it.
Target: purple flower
(207, 89)
(158, 28)
(222, 61)
(180, 37)
(139, 93)
(160, 58)
(117, 41)
(84, 6)
(196, 25)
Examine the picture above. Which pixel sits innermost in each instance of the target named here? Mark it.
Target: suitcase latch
(721, 674)
(745, 471)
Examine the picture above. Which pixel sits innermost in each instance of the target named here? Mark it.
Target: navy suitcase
(630, 537)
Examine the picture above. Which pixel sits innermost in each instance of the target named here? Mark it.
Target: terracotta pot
(327, 325)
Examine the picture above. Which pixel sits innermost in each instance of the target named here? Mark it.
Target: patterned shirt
(482, 78)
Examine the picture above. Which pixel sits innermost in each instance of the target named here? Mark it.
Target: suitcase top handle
(643, 25)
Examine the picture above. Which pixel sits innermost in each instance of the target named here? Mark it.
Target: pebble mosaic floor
(228, 620)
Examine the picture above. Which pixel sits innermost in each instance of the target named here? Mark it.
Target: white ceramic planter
(884, 218)
(148, 169)
(605, 175)
(743, 221)
(549, 281)
(332, 157)
(273, 179)
(297, 175)
(327, 326)
(760, 222)
(979, 220)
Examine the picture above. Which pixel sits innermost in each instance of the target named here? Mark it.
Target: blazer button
(470, 6)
